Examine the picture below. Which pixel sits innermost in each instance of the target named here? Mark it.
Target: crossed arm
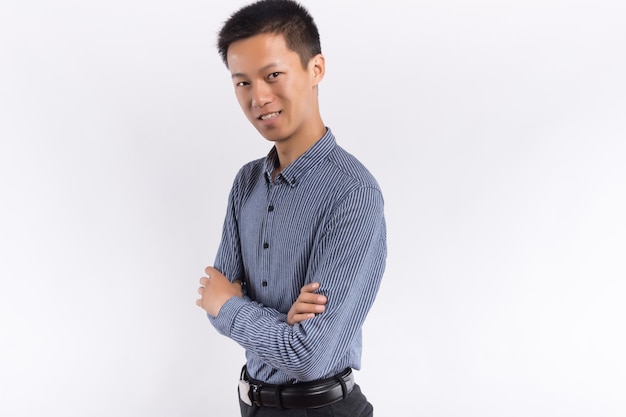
(215, 289)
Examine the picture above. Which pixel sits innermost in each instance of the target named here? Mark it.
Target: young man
(303, 247)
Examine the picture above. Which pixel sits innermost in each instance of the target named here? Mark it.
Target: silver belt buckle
(244, 392)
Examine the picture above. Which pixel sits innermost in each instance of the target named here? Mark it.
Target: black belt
(312, 394)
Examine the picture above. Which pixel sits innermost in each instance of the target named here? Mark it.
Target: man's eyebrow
(265, 68)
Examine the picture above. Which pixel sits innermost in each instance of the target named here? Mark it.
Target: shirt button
(270, 208)
(264, 283)
(293, 181)
(266, 245)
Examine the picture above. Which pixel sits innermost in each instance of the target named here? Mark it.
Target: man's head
(272, 51)
(280, 17)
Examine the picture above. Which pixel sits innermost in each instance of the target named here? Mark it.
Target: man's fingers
(203, 282)
(307, 294)
(305, 308)
(311, 309)
(297, 318)
(311, 298)
(310, 287)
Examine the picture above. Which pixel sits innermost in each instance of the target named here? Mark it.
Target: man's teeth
(269, 116)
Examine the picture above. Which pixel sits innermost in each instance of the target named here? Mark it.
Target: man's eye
(241, 84)
(273, 75)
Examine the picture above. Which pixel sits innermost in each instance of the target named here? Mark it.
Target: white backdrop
(497, 130)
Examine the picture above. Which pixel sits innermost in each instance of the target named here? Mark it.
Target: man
(303, 247)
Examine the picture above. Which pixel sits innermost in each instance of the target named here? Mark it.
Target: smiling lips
(269, 116)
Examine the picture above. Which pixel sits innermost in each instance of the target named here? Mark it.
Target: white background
(496, 129)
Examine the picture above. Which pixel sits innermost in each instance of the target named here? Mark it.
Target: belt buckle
(244, 392)
(250, 393)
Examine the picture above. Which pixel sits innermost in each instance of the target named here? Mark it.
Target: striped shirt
(321, 220)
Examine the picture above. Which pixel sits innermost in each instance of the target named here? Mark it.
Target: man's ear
(317, 64)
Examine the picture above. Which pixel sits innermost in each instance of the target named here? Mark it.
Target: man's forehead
(259, 56)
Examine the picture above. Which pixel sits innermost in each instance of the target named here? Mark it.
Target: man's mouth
(269, 115)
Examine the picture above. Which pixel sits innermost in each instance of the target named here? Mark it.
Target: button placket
(267, 235)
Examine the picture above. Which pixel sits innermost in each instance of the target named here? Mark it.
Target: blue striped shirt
(321, 220)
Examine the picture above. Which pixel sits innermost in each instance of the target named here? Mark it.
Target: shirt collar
(306, 161)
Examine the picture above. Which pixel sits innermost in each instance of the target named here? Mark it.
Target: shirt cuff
(225, 319)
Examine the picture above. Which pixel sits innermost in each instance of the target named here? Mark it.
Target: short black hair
(284, 17)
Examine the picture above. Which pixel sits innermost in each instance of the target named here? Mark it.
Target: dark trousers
(354, 405)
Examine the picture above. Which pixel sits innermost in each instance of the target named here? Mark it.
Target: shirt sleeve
(348, 261)
(229, 260)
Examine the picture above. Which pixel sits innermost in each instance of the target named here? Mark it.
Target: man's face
(276, 93)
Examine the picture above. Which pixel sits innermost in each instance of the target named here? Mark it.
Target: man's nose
(261, 94)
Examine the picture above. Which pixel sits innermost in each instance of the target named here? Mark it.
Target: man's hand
(307, 305)
(215, 289)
